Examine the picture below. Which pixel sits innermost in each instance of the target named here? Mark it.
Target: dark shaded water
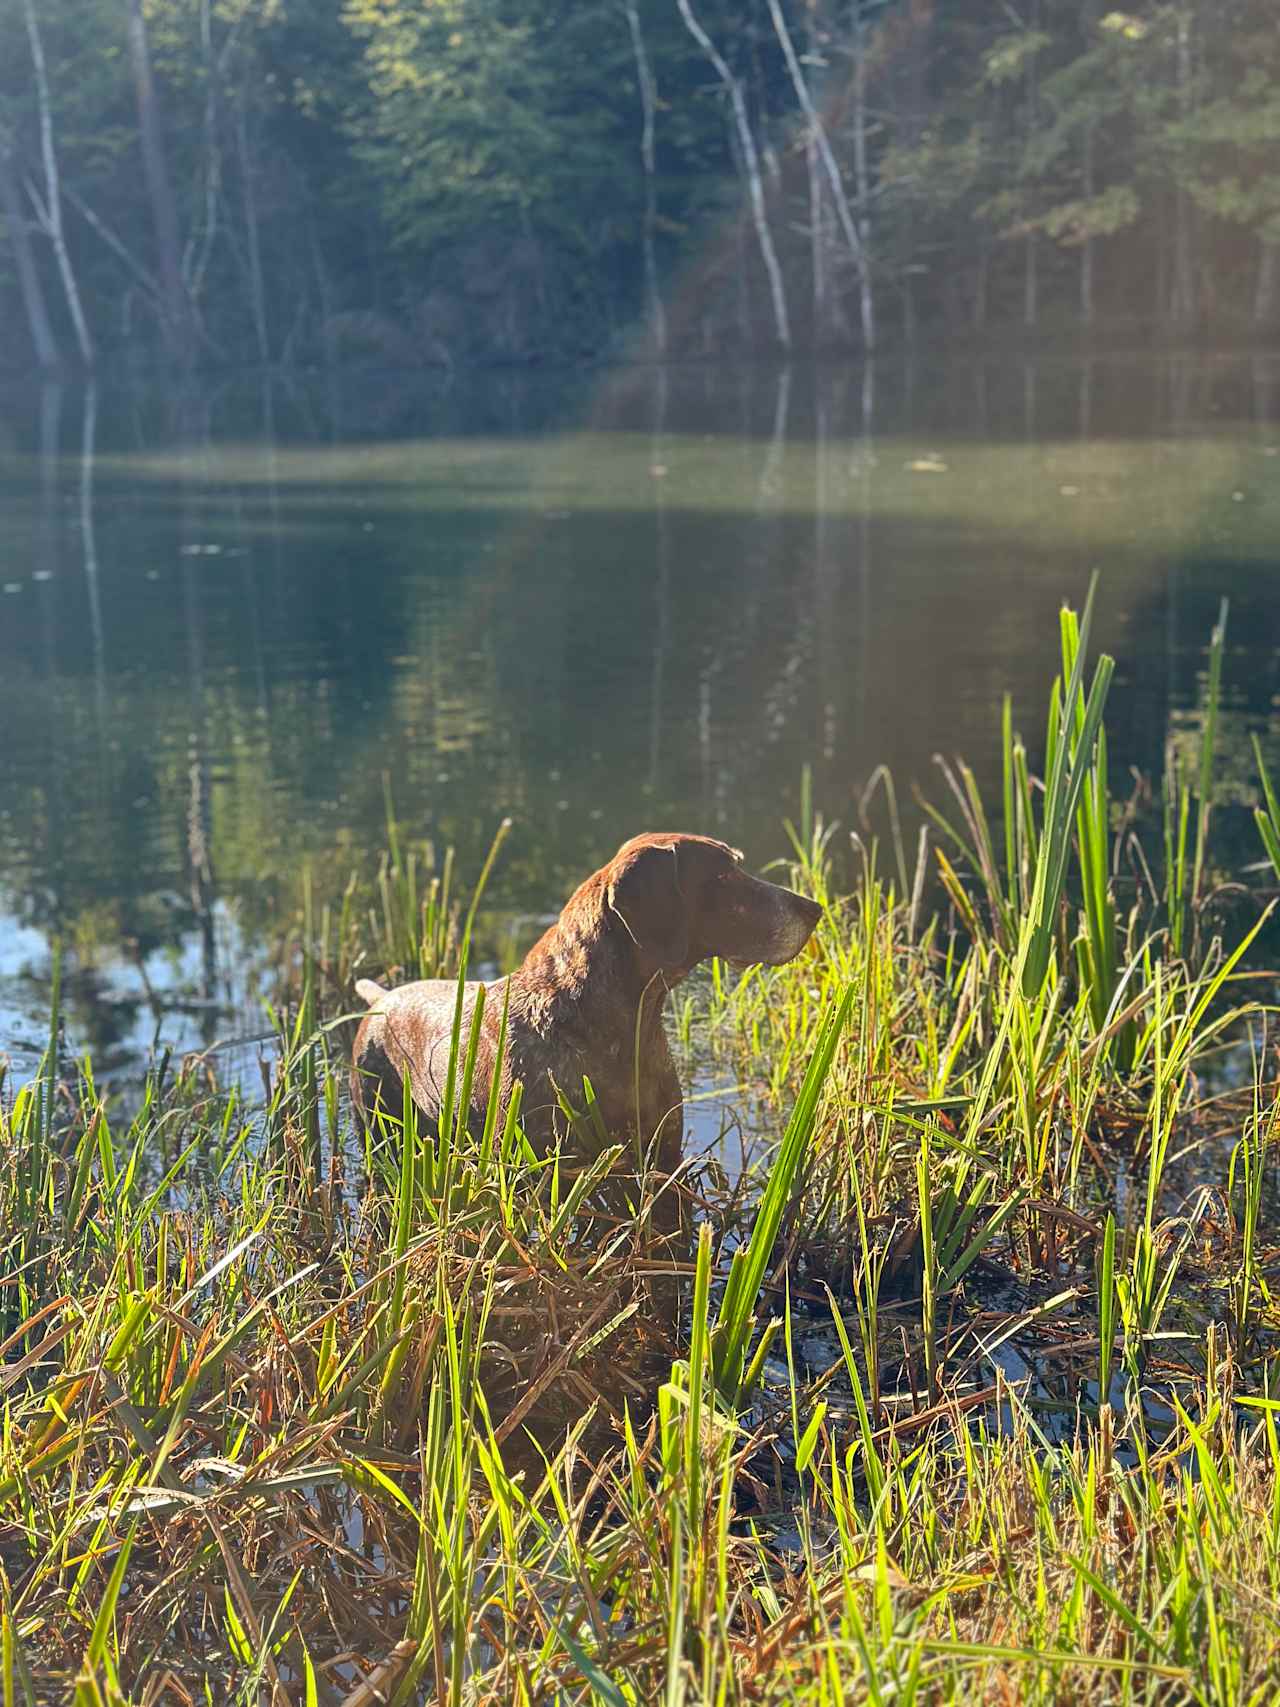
(600, 604)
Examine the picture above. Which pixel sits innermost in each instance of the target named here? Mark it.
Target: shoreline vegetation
(964, 1392)
(310, 182)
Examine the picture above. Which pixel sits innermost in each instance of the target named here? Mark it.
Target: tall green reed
(730, 1340)
(1267, 816)
(1208, 744)
(1184, 869)
(1246, 1178)
(1075, 725)
(1025, 903)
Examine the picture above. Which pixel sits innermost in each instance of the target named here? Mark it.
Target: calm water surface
(598, 604)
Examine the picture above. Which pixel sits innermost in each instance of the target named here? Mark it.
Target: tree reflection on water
(231, 611)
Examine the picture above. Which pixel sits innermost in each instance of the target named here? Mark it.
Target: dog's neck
(588, 972)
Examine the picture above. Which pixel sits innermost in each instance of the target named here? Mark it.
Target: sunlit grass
(968, 1395)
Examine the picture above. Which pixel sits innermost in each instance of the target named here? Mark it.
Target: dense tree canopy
(451, 180)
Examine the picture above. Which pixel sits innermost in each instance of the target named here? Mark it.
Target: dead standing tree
(47, 202)
(648, 110)
(751, 165)
(176, 316)
(822, 145)
(43, 341)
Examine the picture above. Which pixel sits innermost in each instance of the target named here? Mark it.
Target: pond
(598, 603)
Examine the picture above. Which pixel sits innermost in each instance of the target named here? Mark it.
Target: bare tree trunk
(113, 242)
(1031, 272)
(980, 288)
(1265, 288)
(257, 290)
(176, 316)
(910, 121)
(1086, 248)
(1088, 173)
(42, 339)
(751, 158)
(195, 259)
(829, 320)
(648, 109)
(862, 173)
(212, 155)
(818, 132)
(817, 240)
(50, 210)
(1182, 306)
(741, 271)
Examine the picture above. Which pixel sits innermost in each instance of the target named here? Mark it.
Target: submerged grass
(971, 1397)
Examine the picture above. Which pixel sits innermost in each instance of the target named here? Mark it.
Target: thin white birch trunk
(212, 157)
(817, 240)
(1031, 269)
(52, 200)
(862, 172)
(43, 341)
(257, 290)
(1183, 305)
(178, 316)
(648, 110)
(751, 161)
(818, 131)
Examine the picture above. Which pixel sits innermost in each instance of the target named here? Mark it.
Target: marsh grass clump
(967, 1393)
(275, 1403)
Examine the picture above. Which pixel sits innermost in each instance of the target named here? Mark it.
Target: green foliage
(445, 179)
(1011, 56)
(1232, 145)
(1095, 216)
(481, 113)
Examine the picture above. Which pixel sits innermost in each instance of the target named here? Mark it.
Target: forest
(445, 182)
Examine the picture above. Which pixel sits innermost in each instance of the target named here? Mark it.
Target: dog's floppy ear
(644, 891)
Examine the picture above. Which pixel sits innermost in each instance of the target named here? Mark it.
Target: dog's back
(407, 1033)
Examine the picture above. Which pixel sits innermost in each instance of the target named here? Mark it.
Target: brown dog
(587, 999)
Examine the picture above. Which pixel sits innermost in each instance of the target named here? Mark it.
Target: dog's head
(681, 899)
